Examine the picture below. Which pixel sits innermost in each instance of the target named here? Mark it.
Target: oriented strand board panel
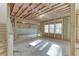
(3, 40)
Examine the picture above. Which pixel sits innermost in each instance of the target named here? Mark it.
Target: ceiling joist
(34, 10)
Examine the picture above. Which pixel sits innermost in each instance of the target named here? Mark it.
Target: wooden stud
(65, 31)
(73, 30)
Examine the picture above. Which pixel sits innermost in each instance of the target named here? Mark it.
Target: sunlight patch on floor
(54, 50)
(44, 46)
(35, 42)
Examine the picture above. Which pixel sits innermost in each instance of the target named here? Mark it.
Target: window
(58, 28)
(51, 28)
(46, 28)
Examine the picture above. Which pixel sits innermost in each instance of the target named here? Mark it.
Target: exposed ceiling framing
(35, 10)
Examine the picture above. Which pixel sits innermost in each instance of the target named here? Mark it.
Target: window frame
(46, 30)
(59, 28)
(52, 28)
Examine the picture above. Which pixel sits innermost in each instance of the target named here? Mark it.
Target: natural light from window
(55, 50)
(58, 28)
(34, 43)
(51, 28)
(46, 28)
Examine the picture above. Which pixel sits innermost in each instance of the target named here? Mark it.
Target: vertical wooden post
(42, 29)
(65, 31)
(15, 36)
(48, 30)
(73, 30)
(54, 30)
(9, 33)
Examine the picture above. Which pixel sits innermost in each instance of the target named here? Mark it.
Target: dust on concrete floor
(22, 48)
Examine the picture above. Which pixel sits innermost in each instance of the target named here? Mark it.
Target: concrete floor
(22, 47)
(77, 52)
(77, 49)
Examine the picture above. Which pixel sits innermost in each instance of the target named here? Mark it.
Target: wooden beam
(63, 9)
(45, 8)
(31, 11)
(52, 8)
(38, 8)
(73, 30)
(41, 7)
(23, 9)
(15, 10)
(27, 10)
(64, 12)
(55, 8)
(19, 9)
(65, 28)
(11, 5)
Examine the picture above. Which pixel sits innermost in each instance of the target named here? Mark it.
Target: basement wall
(30, 28)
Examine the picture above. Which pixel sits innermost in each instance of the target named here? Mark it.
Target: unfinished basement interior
(39, 29)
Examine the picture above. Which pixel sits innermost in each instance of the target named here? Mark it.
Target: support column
(15, 29)
(65, 28)
(73, 30)
(9, 33)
